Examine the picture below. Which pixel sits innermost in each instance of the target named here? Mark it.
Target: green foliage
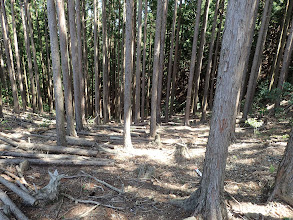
(254, 123)
(272, 169)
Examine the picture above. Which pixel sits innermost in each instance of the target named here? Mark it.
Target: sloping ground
(154, 172)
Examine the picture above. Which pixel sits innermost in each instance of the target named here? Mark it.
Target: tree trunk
(142, 111)
(106, 111)
(1, 103)
(36, 69)
(9, 60)
(157, 45)
(138, 64)
(284, 179)
(128, 73)
(208, 200)
(65, 67)
(209, 65)
(17, 57)
(59, 99)
(285, 65)
(256, 66)
(75, 63)
(169, 74)
(192, 63)
(162, 59)
(200, 53)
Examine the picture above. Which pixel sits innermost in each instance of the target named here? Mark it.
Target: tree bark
(65, 67)
(75, 63)
(128, 59)
(9, 60)
(192, 63)
(59, 99)
(208, 200)
(157, 45)
(256, 66)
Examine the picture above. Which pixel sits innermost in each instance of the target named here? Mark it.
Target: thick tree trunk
(256, 66)
(192, 63)
(17, 57)
(128, 71)
(157, 45)
(9, 60)
(59, 99)
(208, 200)
(284, 179)
(74, 57)
(65, 67)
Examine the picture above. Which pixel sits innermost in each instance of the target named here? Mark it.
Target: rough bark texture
(156, 69)
(208, 201)
(128, 59)
(192, 63)
(65, 67)
(284, 179)
(59, 99)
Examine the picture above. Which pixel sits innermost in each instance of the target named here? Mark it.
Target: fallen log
(13, 208)
(27, 198)
(3, 216)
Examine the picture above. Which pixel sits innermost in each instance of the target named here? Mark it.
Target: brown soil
(252, 164)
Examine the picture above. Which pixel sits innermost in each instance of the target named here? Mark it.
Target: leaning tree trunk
(284, 179)
(8, 51)
(192, 63)
(59, 99)
(208, 200)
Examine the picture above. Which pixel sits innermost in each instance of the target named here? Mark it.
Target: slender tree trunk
(25, 81)
(192, 62)
(138, 64)
(59, 99)
(128, 73)
(256, 66)
(106, 111)
(17, 57)
(149, 80)
(9, 60)
(75, 63)
(36, 69)
(200, 53)
(1, 83)
(154, 101)
(169, 74)
(65, 67)
(208, 201)
(285, 65)
(162, 59)
(144, 61)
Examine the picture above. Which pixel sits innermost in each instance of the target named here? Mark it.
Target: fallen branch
(13, 208)
(27, 198)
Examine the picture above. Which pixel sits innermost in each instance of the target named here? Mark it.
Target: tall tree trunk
(106, 106)
(142, 111)
(153, 126)
(284, 179)
(208, 200)
(25, 81)
(256, 66)
(9, 60)
(162, 59)
(138, 64)
(149, 80)
(170, 62)
(200, 53)
(209, 65)
(96, 63)
(75, 63)
(285, 65)
(1, 83)
(59, 99)
(36, 69)
(17, 57)
(65, 67)
(128, 73)
(192, 63)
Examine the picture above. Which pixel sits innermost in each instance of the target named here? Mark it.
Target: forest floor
(154, 173)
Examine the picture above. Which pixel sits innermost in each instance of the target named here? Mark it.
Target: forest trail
(155, 172)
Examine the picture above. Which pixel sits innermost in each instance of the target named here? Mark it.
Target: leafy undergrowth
(252, 164)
